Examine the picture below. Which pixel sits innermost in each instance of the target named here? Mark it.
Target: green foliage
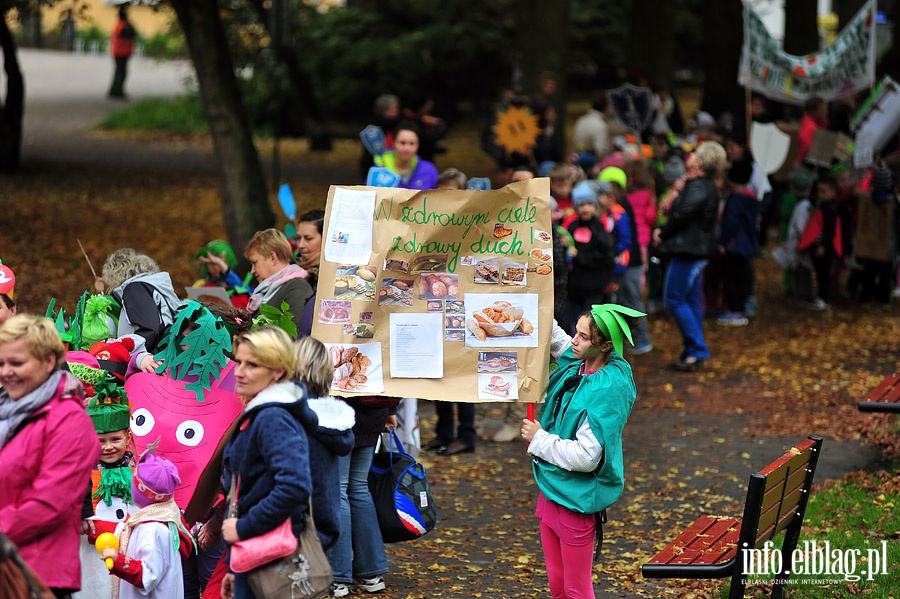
(196, 345)
(92, 34)
(453, 50)
(165, 46)
(270, 316)
(183, 114)
(855, 514)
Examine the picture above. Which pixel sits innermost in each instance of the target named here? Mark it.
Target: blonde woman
(329, 428)
(48, 448)
(280, 280)
(688, 238)
(269, 451)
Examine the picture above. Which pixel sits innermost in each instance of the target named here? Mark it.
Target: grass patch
(182, 114)
(855, 517)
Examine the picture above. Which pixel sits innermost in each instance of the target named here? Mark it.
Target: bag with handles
(401, 493)
(254, 552)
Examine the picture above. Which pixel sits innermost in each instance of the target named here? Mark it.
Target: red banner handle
(531, 412)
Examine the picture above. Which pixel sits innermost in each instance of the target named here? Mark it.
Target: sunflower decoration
(516, 130)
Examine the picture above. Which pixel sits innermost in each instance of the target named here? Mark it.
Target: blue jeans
(681, 294)
(359, 550)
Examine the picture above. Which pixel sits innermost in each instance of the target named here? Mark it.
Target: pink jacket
(644, 214)
(45, 471)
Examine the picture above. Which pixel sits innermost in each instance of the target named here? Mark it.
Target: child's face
(825, 192)
(607, 201)
(734, 150)
(843, 180)
(586, 210)
(113, 446)
(560, 188)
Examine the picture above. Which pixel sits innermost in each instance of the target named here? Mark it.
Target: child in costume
(576, 447)
(7, 292)
(152, 540)
(110, 500)
(217, 264)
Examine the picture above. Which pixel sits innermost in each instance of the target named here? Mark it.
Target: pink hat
(155, 479)
(616, 159)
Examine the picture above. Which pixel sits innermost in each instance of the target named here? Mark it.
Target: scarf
(13, 412)
(311, 265)
(115, 480)
(693, 172)
(165, 512)
(268, 288)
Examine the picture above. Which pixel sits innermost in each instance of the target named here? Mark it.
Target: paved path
(65, 96)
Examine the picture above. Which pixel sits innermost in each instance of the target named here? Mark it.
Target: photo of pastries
(357, 367)
(441, 286)
(513, 273)
(355, 283)
(488, 271)
(498, 386)
(396, 292)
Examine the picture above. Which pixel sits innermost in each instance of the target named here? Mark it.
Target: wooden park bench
(883, 398)
(776, 501)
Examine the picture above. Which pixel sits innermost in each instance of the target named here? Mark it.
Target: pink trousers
(567, 538)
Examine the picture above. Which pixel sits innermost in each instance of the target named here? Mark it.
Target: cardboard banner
(876, 122)
(841, 69)
(438, 294)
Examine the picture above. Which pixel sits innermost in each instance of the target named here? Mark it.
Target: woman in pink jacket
(47, 450)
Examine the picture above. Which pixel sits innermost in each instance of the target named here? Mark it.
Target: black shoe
(436, 443)
(456, 447)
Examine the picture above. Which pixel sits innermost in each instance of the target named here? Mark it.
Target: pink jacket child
(644, 208)
(45, 469)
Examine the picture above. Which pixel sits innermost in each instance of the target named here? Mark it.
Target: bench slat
(885, 389)
(793, 458)
(883, 398)
(777, 494)
(768, 528)
(709, 540)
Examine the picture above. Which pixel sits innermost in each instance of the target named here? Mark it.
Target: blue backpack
(401, 493)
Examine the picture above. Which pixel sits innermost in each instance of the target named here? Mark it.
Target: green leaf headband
(612, 324)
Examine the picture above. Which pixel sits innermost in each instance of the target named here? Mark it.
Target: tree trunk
(801, 29)
(301, 100)
(652, 53)
(722, 56)
(543, 45)
(12, 107)
(245, 203)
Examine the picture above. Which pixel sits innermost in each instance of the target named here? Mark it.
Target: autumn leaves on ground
(790, 373)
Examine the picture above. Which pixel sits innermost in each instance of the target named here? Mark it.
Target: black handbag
(402, 495)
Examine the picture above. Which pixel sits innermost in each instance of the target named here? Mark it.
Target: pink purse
(252, 553)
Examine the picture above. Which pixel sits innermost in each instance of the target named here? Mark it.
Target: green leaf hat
(610, 319)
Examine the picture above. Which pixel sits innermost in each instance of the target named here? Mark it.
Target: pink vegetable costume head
(191, 402)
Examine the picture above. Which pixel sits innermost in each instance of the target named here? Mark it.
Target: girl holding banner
(577, 445)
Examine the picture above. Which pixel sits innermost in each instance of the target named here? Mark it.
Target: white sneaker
(370, 585)
(339, 589)
(819, 304)
(507, 433)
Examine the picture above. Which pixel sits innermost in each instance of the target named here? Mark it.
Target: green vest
(389, 161)
(605, 398)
